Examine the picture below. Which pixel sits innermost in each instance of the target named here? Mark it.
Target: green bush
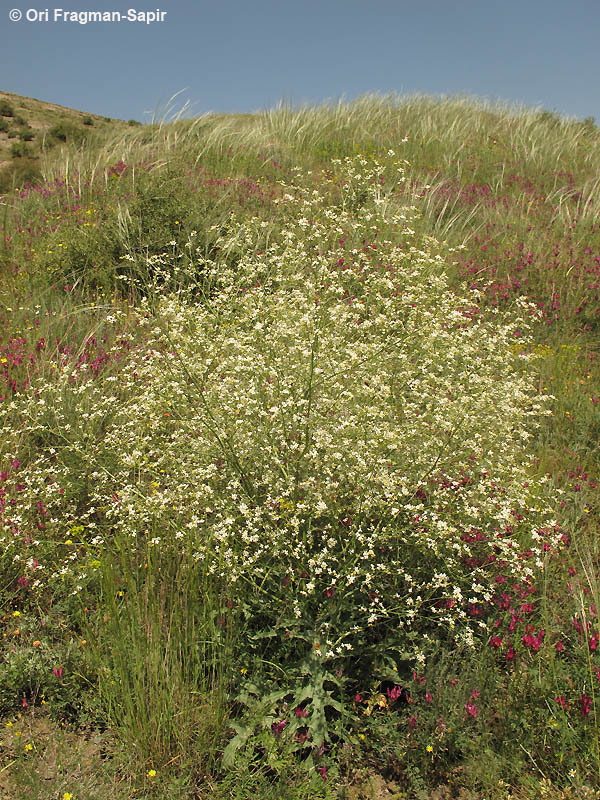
(6, 110)
(24, 170)
(301, 436)
(20, 150)
(66, 131)
(550, 118)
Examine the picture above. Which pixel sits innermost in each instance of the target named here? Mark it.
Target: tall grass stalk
(162, 657)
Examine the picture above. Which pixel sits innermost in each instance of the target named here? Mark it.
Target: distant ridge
(29, 126)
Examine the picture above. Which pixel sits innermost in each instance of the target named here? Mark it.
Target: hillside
(29, 128)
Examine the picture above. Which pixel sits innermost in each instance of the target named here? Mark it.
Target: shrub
(4, 126)
(332, 433)
(64, 131)
(550, 118)
(26, 135)
(87, 121)
(589, 125)
(20, 150)
(6, 110)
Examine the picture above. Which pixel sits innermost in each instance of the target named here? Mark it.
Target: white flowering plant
(322, 426)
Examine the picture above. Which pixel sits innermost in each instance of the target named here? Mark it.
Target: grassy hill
(30, 128)
(299, 474)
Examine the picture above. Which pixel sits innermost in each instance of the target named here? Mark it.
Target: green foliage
(303, 719)
(551, 118)
(6, 109)
(20, 150)
(22, 171)
(50, 672)
(67, 131)
(163, 688)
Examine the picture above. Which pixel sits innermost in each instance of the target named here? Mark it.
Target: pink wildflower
(394, 694)
(586, 704)
(277, 727)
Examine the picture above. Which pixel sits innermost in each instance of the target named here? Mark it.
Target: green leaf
(243, 733)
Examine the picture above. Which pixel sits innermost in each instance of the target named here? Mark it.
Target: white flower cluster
(324, 410)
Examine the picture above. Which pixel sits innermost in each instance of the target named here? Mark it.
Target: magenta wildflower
(323, 771)
(58, 672)
(277, 727)
(586, 704)
(300, 712)
(394, 693)
(471, 709)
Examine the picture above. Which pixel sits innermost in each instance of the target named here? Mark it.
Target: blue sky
(246, 55)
